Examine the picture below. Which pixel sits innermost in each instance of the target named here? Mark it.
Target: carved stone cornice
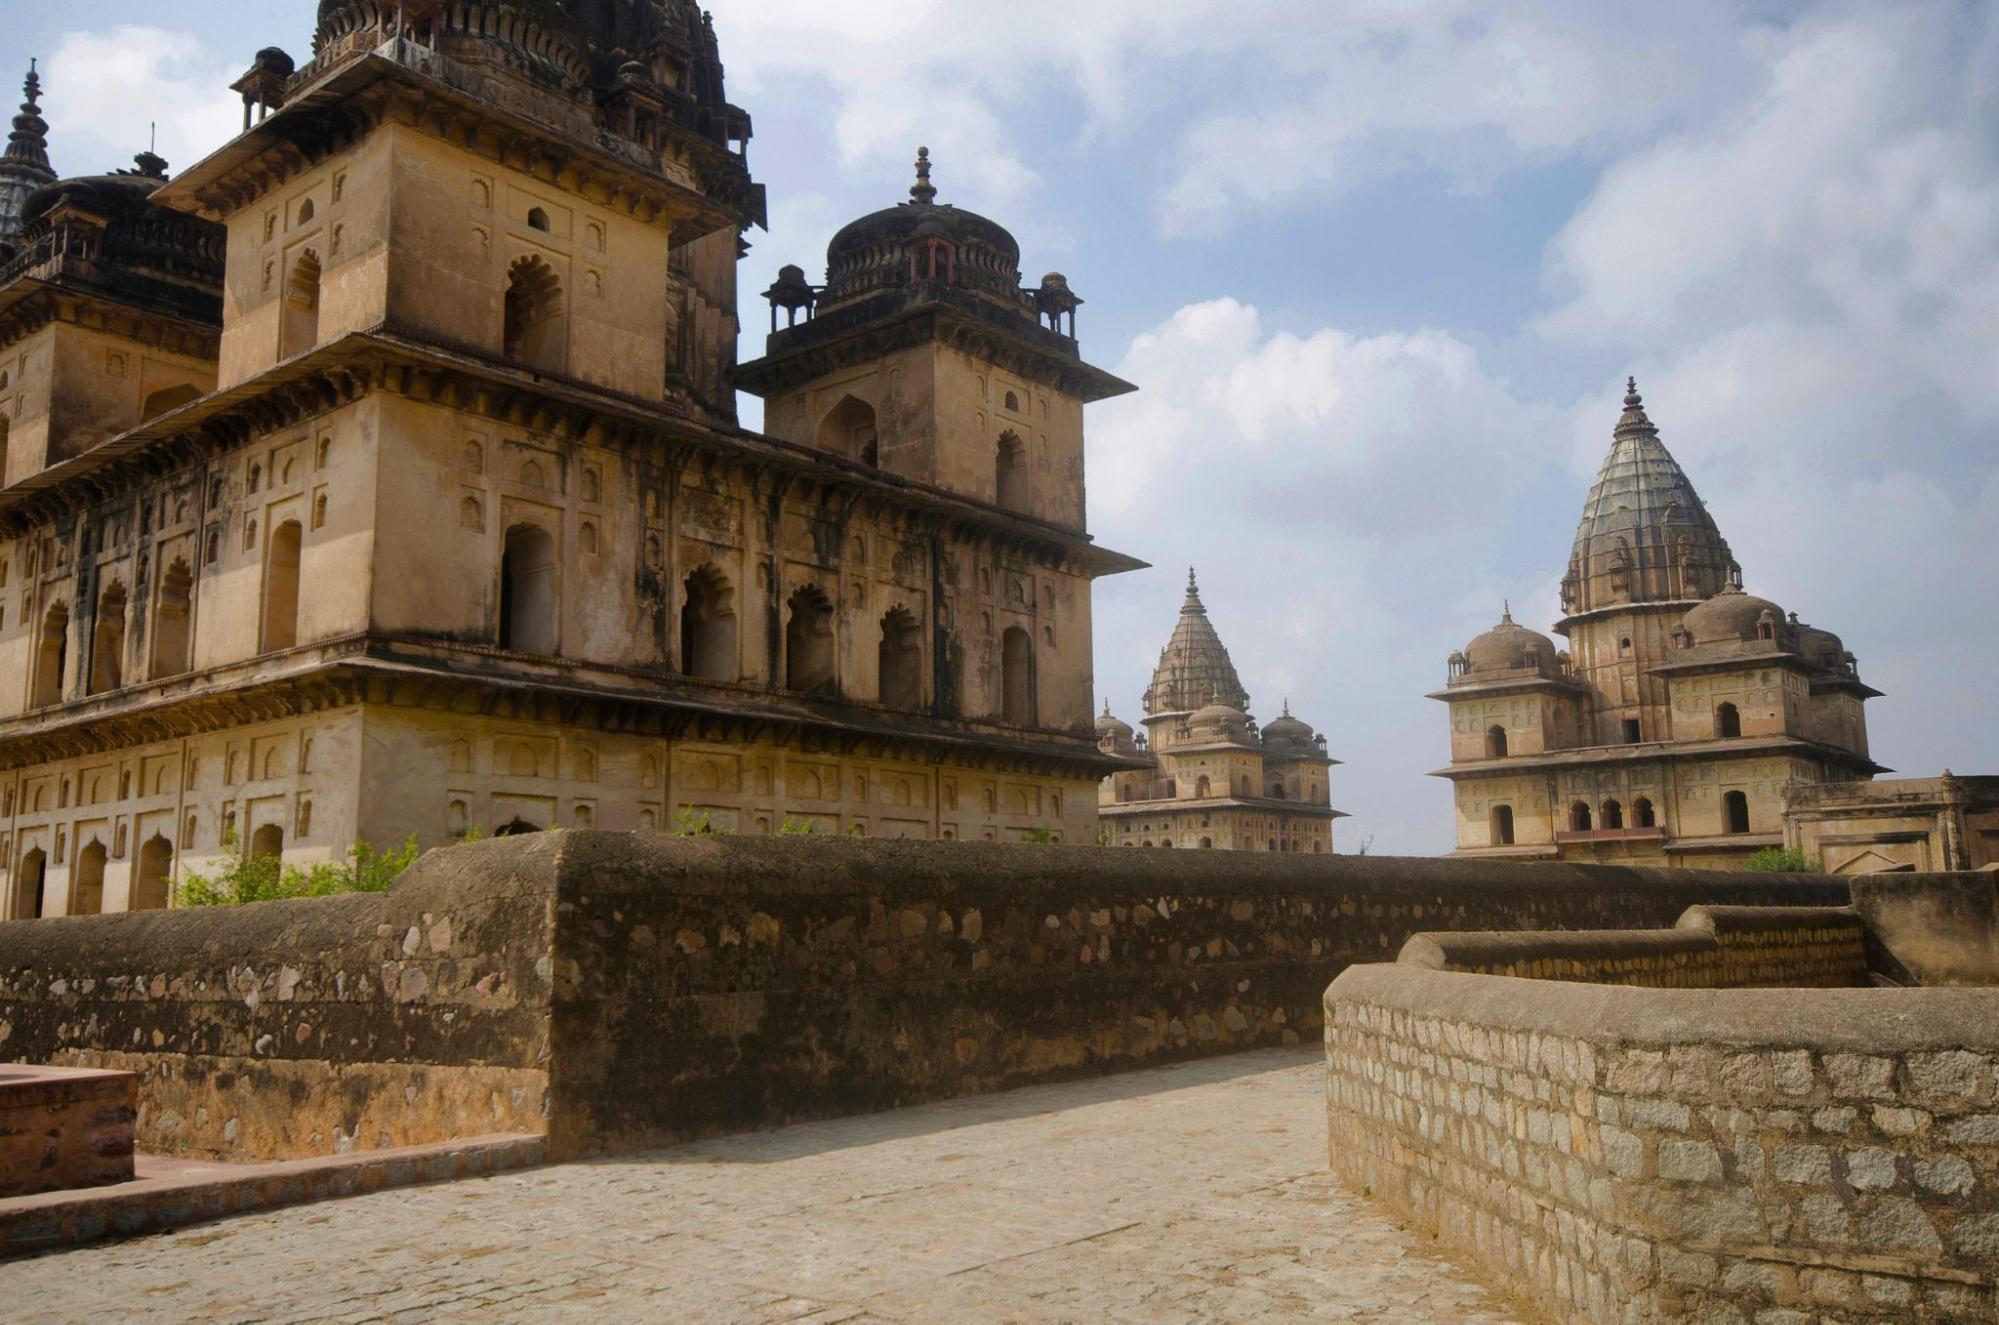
(355, 98)
(402, 363)
(30, 303)
(388, 671)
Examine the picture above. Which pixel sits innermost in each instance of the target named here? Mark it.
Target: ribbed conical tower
(25, 167)
(1194, 668)
(1645, 537)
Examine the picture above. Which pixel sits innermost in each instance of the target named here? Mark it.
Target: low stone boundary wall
(64, 1127)
(1712, 947)
(1736, 1155)
(308, 1027)
(620, 990)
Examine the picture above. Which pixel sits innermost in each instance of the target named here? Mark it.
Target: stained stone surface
(1192, 1192)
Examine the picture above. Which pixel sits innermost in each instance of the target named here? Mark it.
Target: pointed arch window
(1642, 815)
(1502, 825)
(708, 627)
(299, 327)
(1017, 677)
(849, 430)
(808, 642)
(281, 572)
(1727, 720)
(1613, 814)
(107, 643)
(52, 655)
(86, 884)
(156, 862)
(1495, 742)
(1735, 808)
(900, 660)
(1010, 476)
(1579, 817)
(535, 321)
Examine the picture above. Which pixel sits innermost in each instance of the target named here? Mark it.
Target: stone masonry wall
(620, 990)
(64, 1127)
(306, 1027)
(721, 983)
(1712, 947)
(1731, 1156)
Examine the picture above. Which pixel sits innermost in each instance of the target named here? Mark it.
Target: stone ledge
(183, 1195)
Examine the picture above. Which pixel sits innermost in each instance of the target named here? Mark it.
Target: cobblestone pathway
(1188, 1193)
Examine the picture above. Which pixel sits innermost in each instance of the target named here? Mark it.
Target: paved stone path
(1187, 1193)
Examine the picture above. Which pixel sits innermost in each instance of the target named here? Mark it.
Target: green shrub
(796, 827)
(252, 877)
(1784, 860)
(689, 824)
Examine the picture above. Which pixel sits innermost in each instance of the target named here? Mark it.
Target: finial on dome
(1287, 706)
(29, 142)
(923, 190)
(1107, 706)
(1631, 396)
(1506, 611)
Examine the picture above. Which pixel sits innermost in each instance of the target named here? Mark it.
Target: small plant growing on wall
(1784, 860)
(794, 827)
(258, 877)
(1043, 835)
(689, 824)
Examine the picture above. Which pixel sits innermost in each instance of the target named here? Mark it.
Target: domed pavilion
(1683, 710)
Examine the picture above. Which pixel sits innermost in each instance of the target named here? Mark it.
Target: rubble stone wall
(1738, 1155)
(620, 990)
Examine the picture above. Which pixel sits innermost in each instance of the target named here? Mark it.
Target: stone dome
(1508, 646)
(1731, 616)
(1821, 646)
(873, 253)
(1218, 721)
(1107, 725)
(1287, 730)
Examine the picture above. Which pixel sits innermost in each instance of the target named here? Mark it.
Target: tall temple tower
(1684, 709)
(1207, 775)
(417, 503)
(25, 166)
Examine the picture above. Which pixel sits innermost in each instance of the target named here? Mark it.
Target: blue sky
(1379, 270)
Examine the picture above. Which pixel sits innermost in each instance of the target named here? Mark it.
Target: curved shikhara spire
(25, 165)
(1194, 668)
(1645, 536)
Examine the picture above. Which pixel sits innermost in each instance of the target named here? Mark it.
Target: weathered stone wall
(1932, 929)
(64, 1127)
(306, 1027)
(623, 989)
(720, 983)
(1724, 1155)
(1712, 947)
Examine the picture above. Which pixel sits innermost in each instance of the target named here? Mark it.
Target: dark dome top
(156, 255)
(1287, 730)
(872, 253)
(1731, 616)
(1109, 725)
(1507, 646)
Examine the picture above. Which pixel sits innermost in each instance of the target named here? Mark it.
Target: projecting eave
(1297, 809)
(871, 328)
(1822, 680)
(1655, 752)
(1525, 684)
(307, 382)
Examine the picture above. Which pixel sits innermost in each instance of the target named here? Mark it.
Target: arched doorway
(1727, 720)
(535, 320)
(708, 627)
(281, 566)
(1502, 825)
(528, 591)
(52, 655)
(1017, 677)
(29, 878)
(899, 660)
(299, 331)
(107, 642)
(1735, 806)
(151, 884)
(86, 880)
(1010, 479)
(268, 841)
(808, 642)
(172, 615)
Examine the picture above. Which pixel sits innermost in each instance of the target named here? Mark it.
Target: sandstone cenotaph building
(1683, 710)
(379, 475)
(1206, 775)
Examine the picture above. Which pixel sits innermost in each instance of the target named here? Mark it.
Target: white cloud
(103, 89)
(1337, 492)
